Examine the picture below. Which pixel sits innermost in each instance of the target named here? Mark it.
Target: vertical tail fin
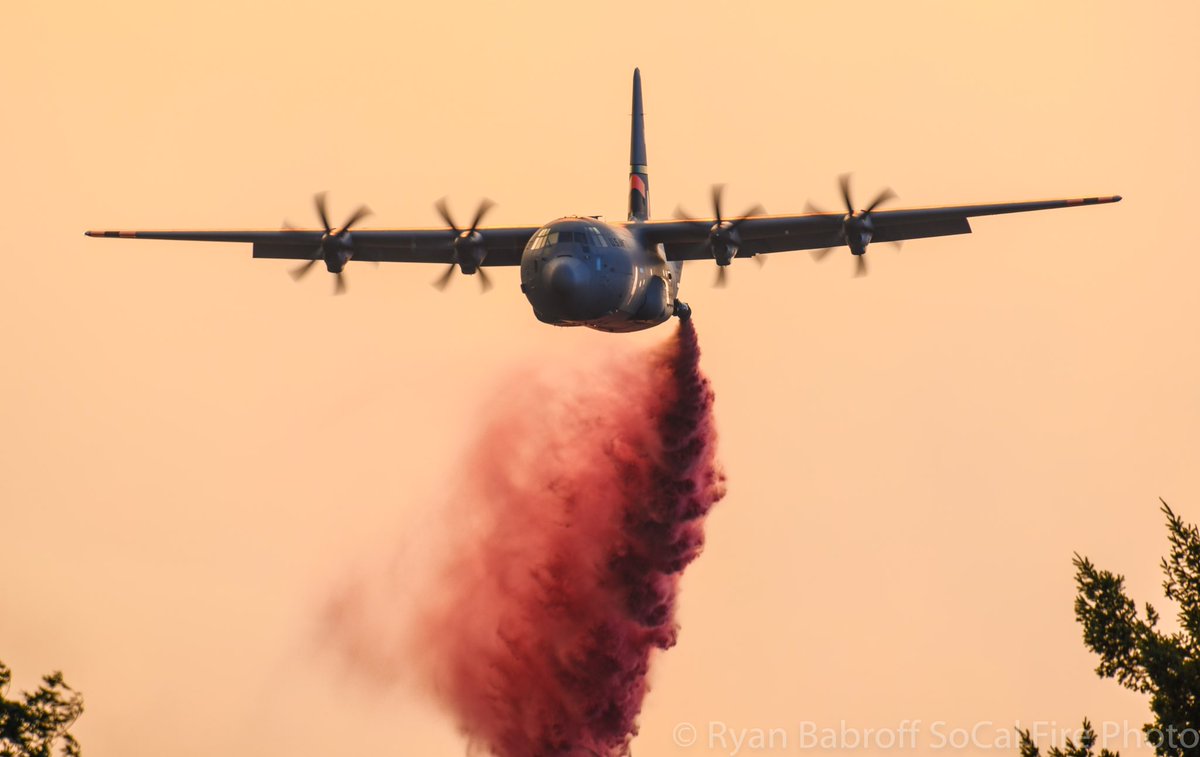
(639, 182)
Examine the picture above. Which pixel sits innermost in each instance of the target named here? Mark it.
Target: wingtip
(1093, 200)
(91, 234)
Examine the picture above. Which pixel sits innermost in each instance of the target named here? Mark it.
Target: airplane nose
(565, 276)
(575, 295)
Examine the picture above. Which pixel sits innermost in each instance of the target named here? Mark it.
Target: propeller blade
(485, 281)
(844, 183)
(362, 212)
(753, 210)
(444, 212)
(301, 271)
(444, 279)
(811, 207)
(484, 206)
(339, 284)
(860, 265)
(820, 254)
(885, 195)
(717, 191)
(320, 202)
(689, 219)
(760, 260)
(722, 277)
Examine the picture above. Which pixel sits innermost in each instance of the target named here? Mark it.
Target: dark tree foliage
(33, 724)
(1143, 658)
(1085, 748)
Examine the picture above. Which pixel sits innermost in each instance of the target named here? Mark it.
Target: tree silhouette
(33, 724)
(1143, 658)
(1085, 748)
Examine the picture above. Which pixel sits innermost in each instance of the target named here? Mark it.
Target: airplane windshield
(588, 235)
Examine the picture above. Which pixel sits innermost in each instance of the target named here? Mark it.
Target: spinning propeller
(723, 238)
(467, 245)
(857, 226)
(336, 247)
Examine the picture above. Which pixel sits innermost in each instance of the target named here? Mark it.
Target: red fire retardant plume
(581, 504)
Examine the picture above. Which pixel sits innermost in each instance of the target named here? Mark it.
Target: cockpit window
(592, 236)
(539, 239)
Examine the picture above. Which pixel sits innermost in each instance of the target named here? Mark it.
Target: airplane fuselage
(584, 272)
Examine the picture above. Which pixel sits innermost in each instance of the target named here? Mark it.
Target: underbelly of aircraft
(617, 323)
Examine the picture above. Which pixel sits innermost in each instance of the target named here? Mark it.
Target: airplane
(614, 277)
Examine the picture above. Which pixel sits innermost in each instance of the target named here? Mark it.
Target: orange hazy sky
(195, 447)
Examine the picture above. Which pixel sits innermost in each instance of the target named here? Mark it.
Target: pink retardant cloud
(580, 504)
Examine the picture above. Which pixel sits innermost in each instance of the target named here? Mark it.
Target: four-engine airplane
(581, 271)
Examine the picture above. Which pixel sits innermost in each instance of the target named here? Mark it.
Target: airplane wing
(503, 244)
(686, 239)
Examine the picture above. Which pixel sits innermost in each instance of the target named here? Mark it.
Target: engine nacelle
(656, 301)
(858, 230)
(723, 243)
